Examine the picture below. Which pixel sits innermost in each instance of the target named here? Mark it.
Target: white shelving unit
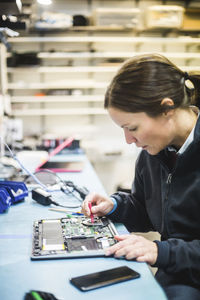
(75, 70)
(64, 94)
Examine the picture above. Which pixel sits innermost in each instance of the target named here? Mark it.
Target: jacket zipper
(169, 179)
(168, 182)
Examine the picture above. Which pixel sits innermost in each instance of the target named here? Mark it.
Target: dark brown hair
(145, 80)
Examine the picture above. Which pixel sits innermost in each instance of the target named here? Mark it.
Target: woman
(152, 101)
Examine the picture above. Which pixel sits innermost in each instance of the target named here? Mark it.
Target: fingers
(98, 210)
(93, 199)
(128, 252)
(85, 208)
(115, 248)
(124, 240)
(134, 247)
(100, 205)
(122, 237)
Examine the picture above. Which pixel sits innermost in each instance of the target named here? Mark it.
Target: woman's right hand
(101, 206)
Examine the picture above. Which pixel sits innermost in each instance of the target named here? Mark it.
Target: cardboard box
(191, 20)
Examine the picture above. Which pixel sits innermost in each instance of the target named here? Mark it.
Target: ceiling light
(44, 2)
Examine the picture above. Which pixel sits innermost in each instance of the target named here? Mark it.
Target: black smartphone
(99, 279)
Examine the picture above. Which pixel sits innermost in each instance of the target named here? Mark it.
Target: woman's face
(152, 134)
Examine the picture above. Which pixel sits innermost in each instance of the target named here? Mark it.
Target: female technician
(151, 100)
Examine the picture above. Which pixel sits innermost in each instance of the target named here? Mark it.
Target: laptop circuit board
(71, 236)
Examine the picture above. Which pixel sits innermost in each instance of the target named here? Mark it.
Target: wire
(45, 198)
(24, 168)
(48, 180)
(66, 184)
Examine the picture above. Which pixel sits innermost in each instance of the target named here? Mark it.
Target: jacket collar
(197, 130)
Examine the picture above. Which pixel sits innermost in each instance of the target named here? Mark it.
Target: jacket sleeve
(180, 257)
(131, 210)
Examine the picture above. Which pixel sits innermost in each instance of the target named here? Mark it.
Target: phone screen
(104, 278)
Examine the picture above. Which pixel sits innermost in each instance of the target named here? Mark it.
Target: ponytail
(193, 92)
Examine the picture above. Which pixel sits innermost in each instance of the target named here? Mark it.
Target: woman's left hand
(133, 246)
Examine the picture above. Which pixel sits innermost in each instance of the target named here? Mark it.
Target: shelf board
(54, 112)
(113, 54)
(57, 98)
(190, 68)
(106, 39)
(181, 55)
(85, 28)
(80, 55)
(76, 69)
(81, 84)
(113, 28)
(74, 84)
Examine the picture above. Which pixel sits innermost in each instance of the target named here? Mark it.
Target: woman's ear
(167, 105)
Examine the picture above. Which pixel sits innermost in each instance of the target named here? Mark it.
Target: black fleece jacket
(168, 202)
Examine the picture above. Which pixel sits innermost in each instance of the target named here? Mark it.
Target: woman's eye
(133, 129)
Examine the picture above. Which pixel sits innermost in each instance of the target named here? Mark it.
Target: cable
(45, 198)
(83, 192)
(23, 168)
(66, 185)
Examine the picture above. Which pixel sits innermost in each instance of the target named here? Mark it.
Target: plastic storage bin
(117, 17)
(164, 16)
(16, 190)
(5, 200)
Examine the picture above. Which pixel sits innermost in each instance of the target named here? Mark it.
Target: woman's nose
(129, 137)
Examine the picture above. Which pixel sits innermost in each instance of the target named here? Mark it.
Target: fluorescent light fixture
(44, 2)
